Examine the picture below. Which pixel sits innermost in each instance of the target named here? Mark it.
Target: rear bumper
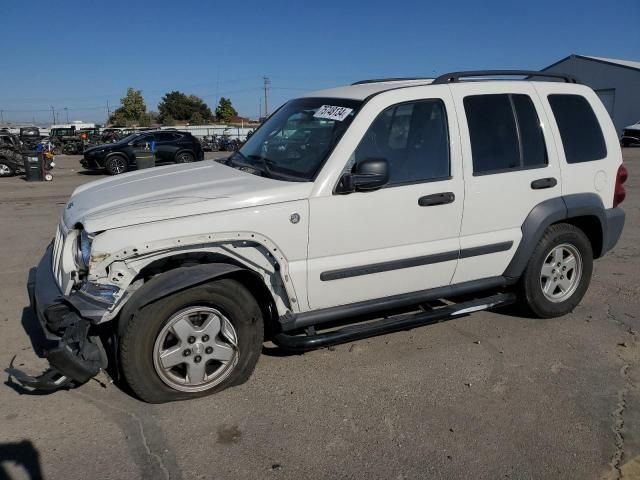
(615, 218)
(70, 348)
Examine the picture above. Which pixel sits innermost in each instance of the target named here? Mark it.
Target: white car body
(323, 253)
(151, 214)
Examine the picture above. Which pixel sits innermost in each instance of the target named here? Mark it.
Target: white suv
(347, 205)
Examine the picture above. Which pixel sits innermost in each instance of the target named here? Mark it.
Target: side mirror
(369, 174)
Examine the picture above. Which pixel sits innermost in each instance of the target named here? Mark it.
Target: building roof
(610, 61)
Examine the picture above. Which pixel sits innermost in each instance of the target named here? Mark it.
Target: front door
(403, 237)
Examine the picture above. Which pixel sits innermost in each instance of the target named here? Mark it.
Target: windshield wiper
(246, 163)
(265, 163)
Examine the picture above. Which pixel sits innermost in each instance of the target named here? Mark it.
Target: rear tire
(185, 157)
(558, 273)
(170, 325)
(115, 165)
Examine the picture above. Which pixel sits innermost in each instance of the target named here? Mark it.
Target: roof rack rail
(397, 79)
(456, 76)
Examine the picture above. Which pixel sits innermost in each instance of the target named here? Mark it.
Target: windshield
(296, 140)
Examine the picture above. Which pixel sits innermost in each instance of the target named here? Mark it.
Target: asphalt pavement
(486, 396)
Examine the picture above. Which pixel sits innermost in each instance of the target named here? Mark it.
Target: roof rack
(397, 79)
(456, 76)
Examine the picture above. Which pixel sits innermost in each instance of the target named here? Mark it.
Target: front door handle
(436, 199)
(544, 183)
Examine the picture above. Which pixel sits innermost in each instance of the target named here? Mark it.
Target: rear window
(580, 130)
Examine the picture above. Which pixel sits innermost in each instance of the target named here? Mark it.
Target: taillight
(619, 193)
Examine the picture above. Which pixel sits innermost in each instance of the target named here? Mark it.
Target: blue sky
(80, 54)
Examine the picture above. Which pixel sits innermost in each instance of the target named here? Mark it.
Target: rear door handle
(436, 199)
(544, 183)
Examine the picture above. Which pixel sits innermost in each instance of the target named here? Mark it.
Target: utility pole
(108, 113)
(1, 116)
(66, 110)
(58, 117)
(260, 108)
(53, 114)
(267, 82)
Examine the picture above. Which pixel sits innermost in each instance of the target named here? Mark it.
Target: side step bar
(390, 324)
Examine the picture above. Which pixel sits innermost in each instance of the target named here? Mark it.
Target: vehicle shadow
(23, 455)
(34, 331)
(91, 173)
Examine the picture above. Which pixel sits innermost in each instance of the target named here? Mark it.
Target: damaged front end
(72, 346)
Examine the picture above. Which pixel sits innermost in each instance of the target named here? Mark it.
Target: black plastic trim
(178, 279)
(454, 77)
(485, 249)
(379, 305)
(381, 267)
(387, 266)
(552, 211)
(392, 79)
(615, 224)
(391, 324)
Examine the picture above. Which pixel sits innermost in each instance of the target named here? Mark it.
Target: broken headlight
(104, 293)
(83, 250)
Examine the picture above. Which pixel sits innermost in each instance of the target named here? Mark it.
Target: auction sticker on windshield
(332, 112)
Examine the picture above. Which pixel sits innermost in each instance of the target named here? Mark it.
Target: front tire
(558, 273)
(5, 169)
(193, 343)
(115, 165)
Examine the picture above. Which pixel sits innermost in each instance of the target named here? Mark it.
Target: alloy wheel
(561, 273)
(196, 349)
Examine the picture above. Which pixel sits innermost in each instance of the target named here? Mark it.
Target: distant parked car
(30, 137)
(171, 147)
(631, 135)
(10, 155)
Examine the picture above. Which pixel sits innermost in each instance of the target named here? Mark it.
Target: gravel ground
(485, 396)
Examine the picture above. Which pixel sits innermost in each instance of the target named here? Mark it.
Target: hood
(174, 191)
(104, 146)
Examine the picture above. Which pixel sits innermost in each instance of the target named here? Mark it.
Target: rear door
(166, 146)
(510, 166)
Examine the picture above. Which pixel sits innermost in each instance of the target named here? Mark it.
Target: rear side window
(505, 133)
(165, 136)
(580, 130)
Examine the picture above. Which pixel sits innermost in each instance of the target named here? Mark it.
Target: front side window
(580, 130)
(414, 139)
(295, 141)
(505, 133)
(143, 141)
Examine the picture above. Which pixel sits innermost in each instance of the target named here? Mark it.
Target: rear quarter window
(580, 131)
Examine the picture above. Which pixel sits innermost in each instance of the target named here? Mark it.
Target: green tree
(131, 111)
(182, 107)
(224, 110)
(168, 121)
(196, 119)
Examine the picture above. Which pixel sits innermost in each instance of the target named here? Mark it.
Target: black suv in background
(171, 146)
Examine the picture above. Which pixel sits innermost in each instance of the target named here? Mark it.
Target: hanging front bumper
(73, 353)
